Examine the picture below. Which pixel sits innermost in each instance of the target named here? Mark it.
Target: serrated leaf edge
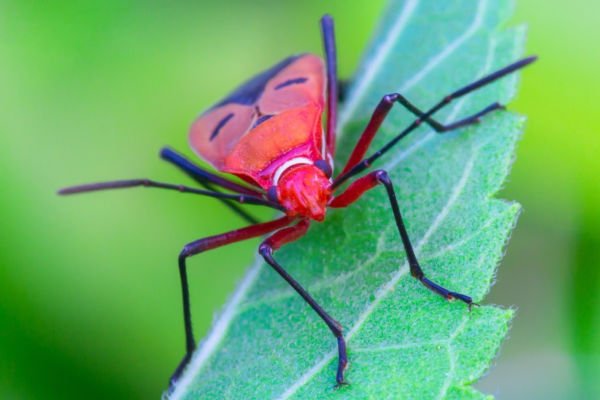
(222, 322)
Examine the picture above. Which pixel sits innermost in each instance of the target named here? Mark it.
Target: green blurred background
(89, 292)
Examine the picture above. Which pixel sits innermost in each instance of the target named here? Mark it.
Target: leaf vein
(217, 333)
(371, 70)
(452, 357)
(389, 286)
(456, 43)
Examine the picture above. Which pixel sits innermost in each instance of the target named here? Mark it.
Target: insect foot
(448, 295)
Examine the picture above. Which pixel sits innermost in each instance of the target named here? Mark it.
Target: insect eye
(325, 167)
(272, 194)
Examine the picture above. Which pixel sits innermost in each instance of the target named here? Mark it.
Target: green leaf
(403, 340)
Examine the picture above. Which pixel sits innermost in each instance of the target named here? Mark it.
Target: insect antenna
(209, 180)
(202, 176)
(129, 183)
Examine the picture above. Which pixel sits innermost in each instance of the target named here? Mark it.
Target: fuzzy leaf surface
(403, 340)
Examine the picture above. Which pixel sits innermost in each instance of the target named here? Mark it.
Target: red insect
(269, 133)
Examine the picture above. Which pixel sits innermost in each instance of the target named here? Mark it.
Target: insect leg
(342, 89)
(358, 167)
(203, 245)
(380, 177)
(235, 208)
(208, 180)
(328, 32)
(381, 112)
(266, 249)
(201, 175)
(441, 128)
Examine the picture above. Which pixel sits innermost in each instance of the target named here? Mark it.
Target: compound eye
(272, 194)
(325, 167)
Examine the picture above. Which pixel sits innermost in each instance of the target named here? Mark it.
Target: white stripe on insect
(290, 163)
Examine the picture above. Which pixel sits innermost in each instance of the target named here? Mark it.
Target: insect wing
(294, 82)
(298, 85)
(216, 133)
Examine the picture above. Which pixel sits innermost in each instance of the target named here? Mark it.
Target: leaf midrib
(371, 71)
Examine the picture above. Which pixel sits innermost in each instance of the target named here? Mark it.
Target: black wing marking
(220, 126)
(260, 120)
(249, 92)
(289, 82)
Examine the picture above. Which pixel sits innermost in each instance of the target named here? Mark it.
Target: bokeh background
(89, 293)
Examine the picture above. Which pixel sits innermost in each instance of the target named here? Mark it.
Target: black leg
(425, 116)
(342, 89)
(233, 207)
(439, 127)
(209, 180)
(381, 112)
(415, 268)
(365, 183)
(202, 175)
(198, 247)
(266, 249)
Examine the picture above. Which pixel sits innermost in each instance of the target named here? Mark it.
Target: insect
(269, 132)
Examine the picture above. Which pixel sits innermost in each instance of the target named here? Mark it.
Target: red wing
(289, 135)
(298, 85)
(215, 134)
(294, 82)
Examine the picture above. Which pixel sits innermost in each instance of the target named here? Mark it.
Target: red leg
(266, 249)
(332, 81)
(200, 246)
(356, 164)
(382, 110)
(355, 190)
(361, 147)
(369, 181)
(287, 235)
